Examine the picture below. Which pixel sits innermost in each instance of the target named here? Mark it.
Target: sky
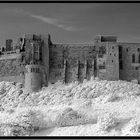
(70, 22)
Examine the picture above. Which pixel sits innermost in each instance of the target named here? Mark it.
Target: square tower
(37, 53)
(107, 57)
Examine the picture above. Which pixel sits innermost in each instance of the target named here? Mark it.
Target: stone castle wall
(107, 60)
(112, 61)
(74, 62)
(129, 70)
(11, 68)
(78, 59)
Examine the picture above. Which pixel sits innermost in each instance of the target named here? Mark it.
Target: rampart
(105, 58)
(71, 62)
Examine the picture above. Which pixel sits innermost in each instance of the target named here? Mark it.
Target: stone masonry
(105, 58)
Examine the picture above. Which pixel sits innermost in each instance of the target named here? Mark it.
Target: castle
(37, 61)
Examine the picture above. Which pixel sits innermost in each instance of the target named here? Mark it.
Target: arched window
(133, 58)
(139, 58)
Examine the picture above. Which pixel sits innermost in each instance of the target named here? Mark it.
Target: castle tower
(107, 58)
(33, 78)
(37, 60)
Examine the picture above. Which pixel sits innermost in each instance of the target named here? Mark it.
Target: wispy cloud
(45, 19)
(53, 21)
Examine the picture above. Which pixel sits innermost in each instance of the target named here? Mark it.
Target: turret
(33, 78)
(37, 60)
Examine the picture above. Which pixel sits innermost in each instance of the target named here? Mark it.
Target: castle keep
(36, 61)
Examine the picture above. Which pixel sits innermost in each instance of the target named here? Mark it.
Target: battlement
(100, 38)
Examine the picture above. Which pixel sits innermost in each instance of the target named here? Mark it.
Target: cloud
(53, 21)
(44, 19)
